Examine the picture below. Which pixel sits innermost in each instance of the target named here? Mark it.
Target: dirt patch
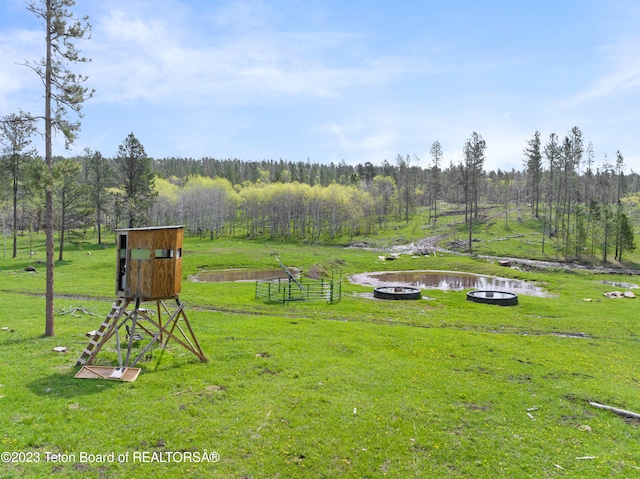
(572, 335)
(429, 245)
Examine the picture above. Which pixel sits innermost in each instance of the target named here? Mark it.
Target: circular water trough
(396, 292)
(493, 297)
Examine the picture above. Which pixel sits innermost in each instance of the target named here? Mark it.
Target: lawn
(361, 388)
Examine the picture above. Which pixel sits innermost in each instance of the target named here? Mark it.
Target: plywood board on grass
(106, 372)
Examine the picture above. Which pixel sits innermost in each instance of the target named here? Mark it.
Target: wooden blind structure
(148, 268)
(149, 263)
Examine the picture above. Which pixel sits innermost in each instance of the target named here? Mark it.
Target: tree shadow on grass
(64, 385)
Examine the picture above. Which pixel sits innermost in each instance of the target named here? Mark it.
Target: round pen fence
(289, 289)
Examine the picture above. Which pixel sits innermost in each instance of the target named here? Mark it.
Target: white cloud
(156, 60)
(243, 15)
(257, 78)
(361, 139)
(622, 74)
(17, 47)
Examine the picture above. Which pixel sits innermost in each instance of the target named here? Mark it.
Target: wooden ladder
(104, 332)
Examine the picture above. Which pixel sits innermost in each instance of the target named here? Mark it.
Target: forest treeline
(576, 197)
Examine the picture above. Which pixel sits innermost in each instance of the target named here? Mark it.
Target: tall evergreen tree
(135, 179)
(403, 180)
(552, 154)
(99, 172)
(533, 163)
(74, 204)
(624, 238)
(436, 155)
(16, 132)
(619, 175)
(63, 90)
(474, 149)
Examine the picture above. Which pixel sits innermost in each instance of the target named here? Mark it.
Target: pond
(233, 275)
(447, 281)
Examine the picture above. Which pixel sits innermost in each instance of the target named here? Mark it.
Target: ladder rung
(98, 335)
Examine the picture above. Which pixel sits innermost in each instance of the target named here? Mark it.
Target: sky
(342, 80)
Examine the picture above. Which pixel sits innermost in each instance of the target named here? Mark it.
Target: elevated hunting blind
(148, 268)
(149, 263)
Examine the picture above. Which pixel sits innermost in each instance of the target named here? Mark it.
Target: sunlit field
(439, 387)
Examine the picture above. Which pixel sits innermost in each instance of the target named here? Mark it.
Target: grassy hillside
(360, 388)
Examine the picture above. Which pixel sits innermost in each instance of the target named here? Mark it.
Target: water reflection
(233, 275)
(447, 281)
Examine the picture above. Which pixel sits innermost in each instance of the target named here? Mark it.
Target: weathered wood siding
(139, 271)
(167, 272)
(148, 276)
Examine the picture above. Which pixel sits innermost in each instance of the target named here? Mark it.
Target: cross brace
(169, 325)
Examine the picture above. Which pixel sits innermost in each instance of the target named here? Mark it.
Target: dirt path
(430, 244)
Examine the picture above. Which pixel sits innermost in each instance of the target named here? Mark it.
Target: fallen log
(620, 412)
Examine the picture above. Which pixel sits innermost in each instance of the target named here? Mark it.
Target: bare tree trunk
(48, 211)
(62, 224)
(544, 229)
(99, 225)
(470, 233)
(99, 215)
(15, 216)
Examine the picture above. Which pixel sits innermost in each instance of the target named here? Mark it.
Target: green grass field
(361, 388)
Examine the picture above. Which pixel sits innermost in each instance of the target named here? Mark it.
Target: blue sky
(348, 80)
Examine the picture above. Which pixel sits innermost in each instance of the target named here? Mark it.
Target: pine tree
(16, 132)
(63, 90)
(135, 179)
(534, 169)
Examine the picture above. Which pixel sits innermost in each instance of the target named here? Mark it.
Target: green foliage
(135, 179)
(16, 135)
(385, 197)
(361, 388)
(99, 177)
(279, 210)
(74, 204)
(624, 233)
(65, 88)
